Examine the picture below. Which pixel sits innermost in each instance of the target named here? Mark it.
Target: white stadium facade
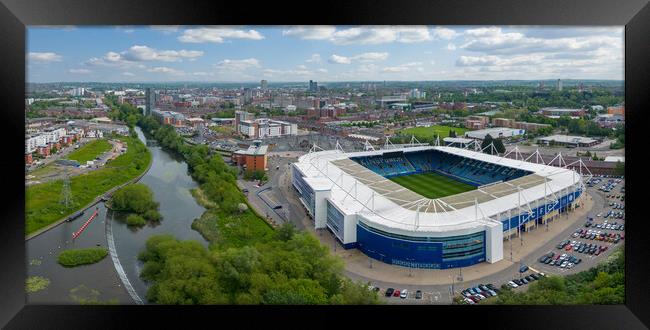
(351, 195)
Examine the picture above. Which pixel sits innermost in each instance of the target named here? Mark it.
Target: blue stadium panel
(467, 170)
(305, 192)
(538, 213)
(421, 252)
(335, 221)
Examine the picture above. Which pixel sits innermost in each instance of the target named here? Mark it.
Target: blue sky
(322, 53)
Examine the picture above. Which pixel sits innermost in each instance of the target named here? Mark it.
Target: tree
(498, 145)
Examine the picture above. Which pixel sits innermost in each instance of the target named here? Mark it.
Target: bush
(135, 220)
(152, 215)
(77, 257)
(136, 198)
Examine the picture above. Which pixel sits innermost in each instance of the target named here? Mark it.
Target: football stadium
(430, 206)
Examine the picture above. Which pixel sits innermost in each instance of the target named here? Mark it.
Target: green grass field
(432, 185)
(429, 132)
(90, 151)
(42, 206)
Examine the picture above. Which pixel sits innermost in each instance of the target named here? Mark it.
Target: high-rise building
(559, 85)
(150, 99)
(313, 86)
(264, 84)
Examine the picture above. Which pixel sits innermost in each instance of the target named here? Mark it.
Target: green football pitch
(432, 185)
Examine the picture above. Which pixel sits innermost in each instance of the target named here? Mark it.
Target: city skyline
(322, 53)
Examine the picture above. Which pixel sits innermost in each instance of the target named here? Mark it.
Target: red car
(568, 247)
(604, 248)
(396, 293)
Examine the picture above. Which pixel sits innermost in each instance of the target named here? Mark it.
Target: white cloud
(80, 71)
(444, 33)
(128, 74)
(370, 57)
(201, 73)
(315, 58)
(217, 35)
(165, 29)
(125, 29)
(361, 35)
(137, 53)
(238, 65)
(166, 70)
(402, 67)
(291, 72)
(451, 47)
(144, 53)
(526, 52)
(336, 59)
(363, 57)
(44, 57)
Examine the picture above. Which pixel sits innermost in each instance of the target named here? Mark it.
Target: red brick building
(254, 158)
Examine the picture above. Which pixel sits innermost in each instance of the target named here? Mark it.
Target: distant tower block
(559, 85)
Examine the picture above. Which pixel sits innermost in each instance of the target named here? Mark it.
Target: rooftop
(568, 139)
(356, 189)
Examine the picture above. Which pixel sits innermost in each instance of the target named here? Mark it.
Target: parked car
(396, 293)
(418, 294)
(404, 294)
(512, 284)
(389, 292)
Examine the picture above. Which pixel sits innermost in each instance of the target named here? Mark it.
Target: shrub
(152, 215)
(77, 257)
(135, 220)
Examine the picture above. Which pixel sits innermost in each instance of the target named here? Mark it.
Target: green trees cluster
(255, 175)
(247, 262)
(498, 145)
(137, 199)
(286, 268)
(603, 284)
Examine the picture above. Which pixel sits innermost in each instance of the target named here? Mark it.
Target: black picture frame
(15, 15)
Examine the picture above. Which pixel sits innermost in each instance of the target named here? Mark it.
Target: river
(170, 182)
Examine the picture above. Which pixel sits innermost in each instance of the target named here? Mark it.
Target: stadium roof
(356, 189)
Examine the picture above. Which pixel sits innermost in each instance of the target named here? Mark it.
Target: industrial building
(495, 132)
(567, 140)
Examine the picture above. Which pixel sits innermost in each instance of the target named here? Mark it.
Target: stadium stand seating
(469, 170)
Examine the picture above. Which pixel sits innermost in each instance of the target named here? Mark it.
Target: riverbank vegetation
(247, 262)
(43, 201)
(78, 257)
(90, 151)
(603, 284)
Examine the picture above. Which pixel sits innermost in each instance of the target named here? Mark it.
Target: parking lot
(409, 296)
(600, 232)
